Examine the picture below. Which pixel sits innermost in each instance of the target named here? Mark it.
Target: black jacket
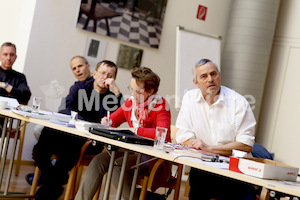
(20, 89)
(89, 104)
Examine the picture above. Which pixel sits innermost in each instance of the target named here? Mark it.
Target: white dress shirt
(229, 119)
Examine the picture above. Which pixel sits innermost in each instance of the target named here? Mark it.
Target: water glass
(36, 104)
(160, 137)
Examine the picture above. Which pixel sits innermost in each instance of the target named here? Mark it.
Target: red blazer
(160, 116)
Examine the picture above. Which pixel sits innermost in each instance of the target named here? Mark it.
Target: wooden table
(172, 156)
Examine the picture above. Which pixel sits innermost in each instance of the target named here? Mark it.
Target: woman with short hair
(143, 111)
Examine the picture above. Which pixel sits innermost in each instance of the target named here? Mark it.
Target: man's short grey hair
(200, 63)
(9, 44)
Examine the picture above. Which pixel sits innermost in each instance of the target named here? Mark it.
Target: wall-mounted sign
(201, 14)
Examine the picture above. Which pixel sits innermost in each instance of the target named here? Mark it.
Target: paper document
(44, 115)
(11, 102)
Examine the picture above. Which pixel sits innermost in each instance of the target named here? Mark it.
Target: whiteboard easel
(190, 48)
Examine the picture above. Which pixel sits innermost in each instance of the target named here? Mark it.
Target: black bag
(155, 196)
(95, 148)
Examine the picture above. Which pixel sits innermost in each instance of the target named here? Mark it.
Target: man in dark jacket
(91, 100)
(12, 83)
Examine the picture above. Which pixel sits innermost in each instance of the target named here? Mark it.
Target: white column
(247, 48)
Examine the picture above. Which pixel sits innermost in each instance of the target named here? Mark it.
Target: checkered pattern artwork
(134, 27)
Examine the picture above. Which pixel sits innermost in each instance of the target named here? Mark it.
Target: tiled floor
(18, 183)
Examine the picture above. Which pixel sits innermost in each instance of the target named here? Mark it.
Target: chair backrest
(154, 179)
(258, 151)
(174, 130)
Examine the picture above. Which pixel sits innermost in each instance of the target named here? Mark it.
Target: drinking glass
(36, 104)
(160, 137)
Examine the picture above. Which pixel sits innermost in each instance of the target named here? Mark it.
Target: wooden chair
(187, 187)
(152, 181)
(76, 173)
(93, 10)
(74, 176)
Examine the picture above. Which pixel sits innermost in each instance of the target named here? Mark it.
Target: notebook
(122, 135)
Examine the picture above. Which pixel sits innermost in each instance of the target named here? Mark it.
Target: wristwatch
(5, 85)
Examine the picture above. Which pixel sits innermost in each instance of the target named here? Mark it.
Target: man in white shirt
(215, 119)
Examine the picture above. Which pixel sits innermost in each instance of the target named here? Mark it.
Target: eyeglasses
(103, 74)
(141, 91)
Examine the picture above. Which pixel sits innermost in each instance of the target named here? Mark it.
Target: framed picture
(129, 57)
(95, 51)
(137, 21)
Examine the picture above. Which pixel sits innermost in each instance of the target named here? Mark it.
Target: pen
(108, 114)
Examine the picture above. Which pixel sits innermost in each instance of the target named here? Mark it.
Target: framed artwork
(129, 57)
(137, 21)
(95, 51)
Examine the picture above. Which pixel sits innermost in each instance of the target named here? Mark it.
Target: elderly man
(91, 100)
(81, 70)
(12, 83)
(215, 119)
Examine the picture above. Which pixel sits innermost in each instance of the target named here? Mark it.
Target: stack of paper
(44, 115)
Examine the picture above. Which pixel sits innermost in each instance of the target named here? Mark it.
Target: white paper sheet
(11, 102)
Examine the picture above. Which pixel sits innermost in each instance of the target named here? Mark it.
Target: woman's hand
(106, 121)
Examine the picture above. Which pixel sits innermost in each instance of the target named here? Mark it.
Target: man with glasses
(91, 100)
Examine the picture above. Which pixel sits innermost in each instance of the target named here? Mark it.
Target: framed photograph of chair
(137, 21)
(129, 57)
(95, 51)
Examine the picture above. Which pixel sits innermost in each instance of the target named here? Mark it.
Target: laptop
(122, 135)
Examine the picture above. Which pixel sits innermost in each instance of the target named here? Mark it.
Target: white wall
(16, 21)
(54, 39)
(10, 20)
(279, 128)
